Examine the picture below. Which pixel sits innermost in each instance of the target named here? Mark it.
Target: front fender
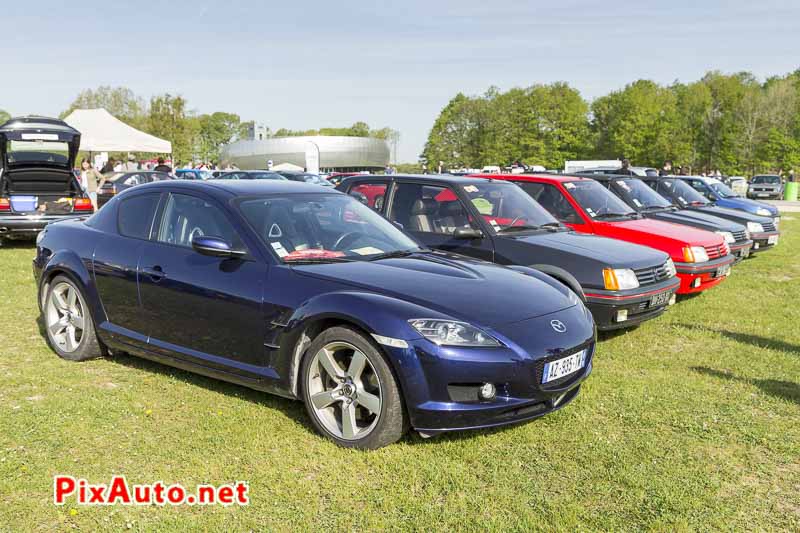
(375, 314)
(562, 276)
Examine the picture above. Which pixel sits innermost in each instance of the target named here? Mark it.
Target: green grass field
(691, 421)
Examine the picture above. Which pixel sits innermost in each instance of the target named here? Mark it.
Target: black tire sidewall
(392, 421)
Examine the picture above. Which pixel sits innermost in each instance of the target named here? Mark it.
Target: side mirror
(397, 224)
(467, 233)
(214, 247)
(712, 197)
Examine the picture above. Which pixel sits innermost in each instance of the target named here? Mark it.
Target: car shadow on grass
(785, 390)
(746, 338)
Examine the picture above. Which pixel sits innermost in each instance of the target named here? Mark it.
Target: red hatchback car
(701, 257)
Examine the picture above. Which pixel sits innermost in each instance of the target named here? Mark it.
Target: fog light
(696, 283)
(755, 246)
(622, 316)
(673, 299)
(487, 391)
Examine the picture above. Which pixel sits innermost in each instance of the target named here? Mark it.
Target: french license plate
(772, 239)
(563, 367)
(660, 299)
(762, 195)
(724, 270)
(744, 253)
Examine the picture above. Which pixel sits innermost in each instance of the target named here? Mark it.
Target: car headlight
(619, 279)
(747, 235)
(695, 254)
(763, 212)
(755, 227)
(671, 270)
(776, 221)
(452, 333)
(727, 235)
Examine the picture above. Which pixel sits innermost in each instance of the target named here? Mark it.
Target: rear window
(135, 215)
(49, 152)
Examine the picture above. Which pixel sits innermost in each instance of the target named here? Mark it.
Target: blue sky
(330, 63)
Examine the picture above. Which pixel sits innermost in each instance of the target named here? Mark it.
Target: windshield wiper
(613, 215)
(521, 227)
(316, 260)
(394, 254)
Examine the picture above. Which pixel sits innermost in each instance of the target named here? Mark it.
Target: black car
(37, 184)
(762, 229)
(623, 284)
(639, 196)
(119, 181)
(305, 177)
(250, 175)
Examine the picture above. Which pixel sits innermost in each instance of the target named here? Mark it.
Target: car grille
(715, 252)
(739, 236)
(768, 226)
(650, 275)
(538, 366)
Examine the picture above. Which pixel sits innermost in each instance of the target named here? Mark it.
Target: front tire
(350, 392)
(68, 322)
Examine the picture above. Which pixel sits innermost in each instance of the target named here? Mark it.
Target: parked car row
(437, 303)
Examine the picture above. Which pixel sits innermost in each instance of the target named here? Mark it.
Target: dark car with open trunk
(37, 184)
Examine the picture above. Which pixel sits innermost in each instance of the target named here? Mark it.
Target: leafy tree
(215, 130)
(4, 116)
(169, 119)
(119, 101)
(459, 134)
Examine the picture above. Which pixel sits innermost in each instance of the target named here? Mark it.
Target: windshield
(251, 176)
(303, 228)
(721, 189)
(504, 205)
(681, 193)
(596, 200)
(637, 193)
(316, 180)
(49, 152)
(772, 180)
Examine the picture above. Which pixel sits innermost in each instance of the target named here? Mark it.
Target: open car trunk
(40, 190)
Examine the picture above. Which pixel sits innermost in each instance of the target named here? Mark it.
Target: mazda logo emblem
(558, 326)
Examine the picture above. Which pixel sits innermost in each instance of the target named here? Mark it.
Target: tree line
(727, 122)
(194, 136)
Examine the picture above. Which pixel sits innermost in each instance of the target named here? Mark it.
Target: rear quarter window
(135, 215)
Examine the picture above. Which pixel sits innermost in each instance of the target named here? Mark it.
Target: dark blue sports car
(302, 291)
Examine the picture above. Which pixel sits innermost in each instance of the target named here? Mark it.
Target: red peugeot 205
(702, 258)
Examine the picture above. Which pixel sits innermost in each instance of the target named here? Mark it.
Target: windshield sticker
(624, 185)
(637, 202)
(483, 206)
(470, 188)
(569, 185)
(591, 212)
(279, 249)
(667, 184)
(494, 224)
(682, 199)
(367, 250)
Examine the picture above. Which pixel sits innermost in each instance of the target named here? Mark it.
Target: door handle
(156, 273)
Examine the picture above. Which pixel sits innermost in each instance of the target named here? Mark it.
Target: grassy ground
(691, 421)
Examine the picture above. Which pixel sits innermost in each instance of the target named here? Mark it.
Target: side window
(370, 194)
(699, 186)
(428, 209)
(135, 179)
(135, 215)
(551, 199)
(186, 217)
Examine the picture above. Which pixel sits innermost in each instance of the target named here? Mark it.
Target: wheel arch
(562, 276)
(67, 263)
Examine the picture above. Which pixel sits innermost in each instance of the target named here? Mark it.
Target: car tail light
(5, 204)
(83, 204)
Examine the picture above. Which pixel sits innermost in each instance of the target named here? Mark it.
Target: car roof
(553, 178)
(439, 178)
(241, 187)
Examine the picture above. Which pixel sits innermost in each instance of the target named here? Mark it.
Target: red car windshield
(596, 200)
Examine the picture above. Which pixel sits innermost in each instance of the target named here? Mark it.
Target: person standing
(625, 170)
(791, 176)
(666, 169)
(163, 167)
(91, 180)
(108, 167)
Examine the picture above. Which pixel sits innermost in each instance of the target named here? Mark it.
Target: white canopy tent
(288, 166)
(102, 132)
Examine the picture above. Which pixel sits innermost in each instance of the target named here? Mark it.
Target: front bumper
(640, 304)
(440, 383)
(698, 277)
(761, 241)
(741, 250)
(765, 195)
(28, 226)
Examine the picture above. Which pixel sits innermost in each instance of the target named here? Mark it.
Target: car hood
(612, 252)
(698, 220)
(466, 289)
(737, 215)
(645, 229)
(747, 205)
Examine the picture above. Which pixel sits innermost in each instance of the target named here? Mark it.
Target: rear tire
(68, 322)
(350, 392)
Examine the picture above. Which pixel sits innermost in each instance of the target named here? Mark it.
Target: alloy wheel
(66, 319)
(344, 391)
